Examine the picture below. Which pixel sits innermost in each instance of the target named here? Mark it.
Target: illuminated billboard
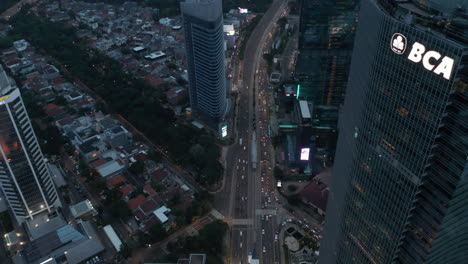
(243, 10)
(305, 153)
(224, 131)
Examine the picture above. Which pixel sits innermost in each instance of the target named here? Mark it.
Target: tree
(119, 209)
(53, 140)
(282, 22)
(137, 168)
(278, 173)
(294, 199)
(113, 196)
(125, 251)
(155, 156)
(98, 185)
(292, 188)
(157, 233)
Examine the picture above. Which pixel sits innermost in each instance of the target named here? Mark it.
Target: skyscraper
(204, 43)
(326, 38)
(400, 187)
(24, 178)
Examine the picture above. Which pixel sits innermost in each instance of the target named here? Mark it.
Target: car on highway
(264, 249)
(240, 232)
(263, 231)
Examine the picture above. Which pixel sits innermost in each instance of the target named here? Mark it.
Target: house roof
(116, 181)
(160, 213)
(136, 202)
(126, 190)
(66, 121)
(141, 156)
(81, 208)
(159, 175)
(97, 163)
(149, 190)
(149, 206)
(316, 194)
(109, 168)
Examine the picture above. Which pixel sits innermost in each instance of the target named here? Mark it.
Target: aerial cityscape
(234, 131)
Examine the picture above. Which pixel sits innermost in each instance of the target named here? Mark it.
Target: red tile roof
(149, 190)
(159, 175)
(153, 80)
(126, 190)
(53, 110)
(66, 121)
(141, 156)
(98, 163)
(149, 206)
(136, 202)
(139, 215)
(50, 106)
(116, 181)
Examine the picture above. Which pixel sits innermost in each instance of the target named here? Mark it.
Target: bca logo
(431, 60)
(398, 43)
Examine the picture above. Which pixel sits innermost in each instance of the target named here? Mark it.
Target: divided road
(240, 200)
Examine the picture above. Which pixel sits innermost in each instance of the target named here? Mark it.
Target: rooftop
(207, 10)
(160, 213)
(81, 208)
(109, 168)
(114, 182)
(5, 85)
(136, 202)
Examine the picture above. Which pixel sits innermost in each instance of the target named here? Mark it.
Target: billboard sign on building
(224, 131)
(243, 10)
(430, 59)
(305, 153)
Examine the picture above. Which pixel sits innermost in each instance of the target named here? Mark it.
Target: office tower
(326, 35)
(24, 178)
(204, 43)
(400, 186)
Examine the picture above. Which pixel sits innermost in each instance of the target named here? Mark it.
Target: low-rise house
(177, 95)
(116, 181)
(110, 168)
(82, 209)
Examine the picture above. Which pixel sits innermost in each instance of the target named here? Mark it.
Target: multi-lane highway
(248, 196)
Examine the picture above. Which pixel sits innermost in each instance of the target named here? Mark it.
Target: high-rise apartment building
(326, 35)
(204, 43)
(24, 178)
(400, 186)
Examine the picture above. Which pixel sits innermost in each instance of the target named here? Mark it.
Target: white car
(264, 249)
(263, 231)
(240, 233)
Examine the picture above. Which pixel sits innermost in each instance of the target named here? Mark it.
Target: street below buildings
(249, 197)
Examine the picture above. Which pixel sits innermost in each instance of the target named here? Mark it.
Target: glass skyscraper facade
(204, 42)
(400, 184)
(24, 179)
(327, 29)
